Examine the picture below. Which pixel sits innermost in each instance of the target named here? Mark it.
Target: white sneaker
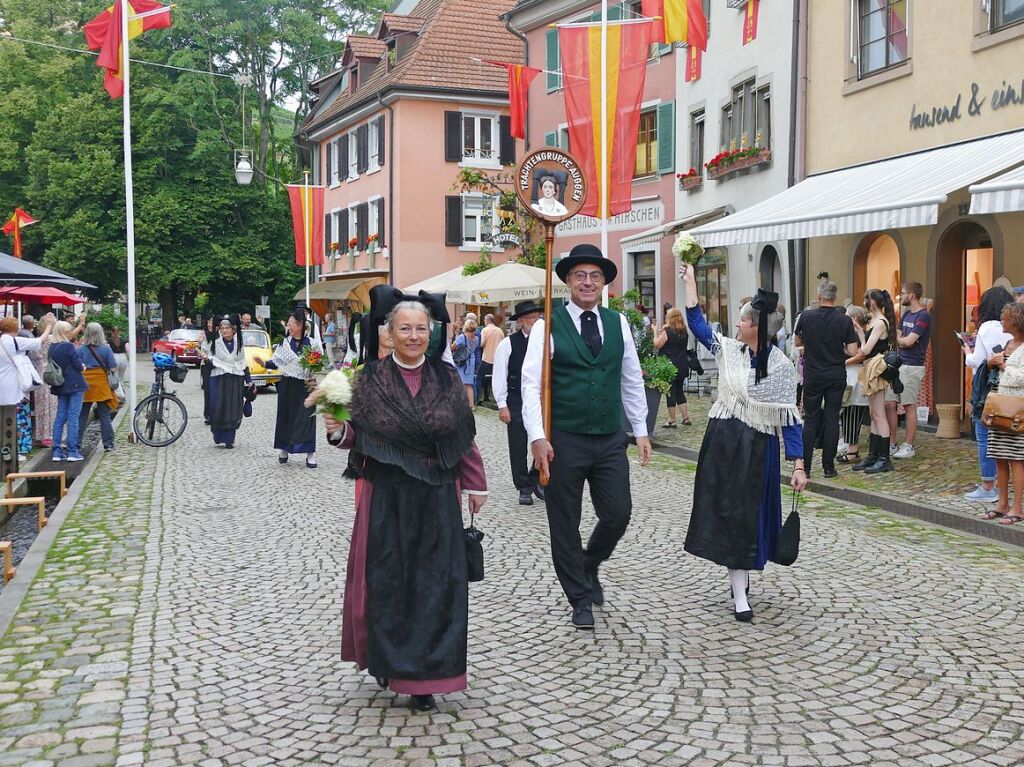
(981, 494)
(893, 447)
(905, 450)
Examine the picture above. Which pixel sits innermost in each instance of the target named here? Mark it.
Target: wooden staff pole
(545, 377)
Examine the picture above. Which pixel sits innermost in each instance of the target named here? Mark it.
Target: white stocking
(284, 454)
(739, 580)
(311, 457)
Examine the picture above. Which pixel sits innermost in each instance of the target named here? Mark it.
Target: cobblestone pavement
(190, 611)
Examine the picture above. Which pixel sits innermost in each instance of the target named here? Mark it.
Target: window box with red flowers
(352, 245)
(726, 163)
(690, 180)
(334, 249)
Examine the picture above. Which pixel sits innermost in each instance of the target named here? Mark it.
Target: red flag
(307, 218)
(628, 45)
(693, 63)
(103, 33)
(14, 225)
(519, 78)
(750, 21)
(682, 21)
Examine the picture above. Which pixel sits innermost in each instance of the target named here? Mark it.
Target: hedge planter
(741, 163)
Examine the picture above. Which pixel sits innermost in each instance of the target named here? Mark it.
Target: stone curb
(1007, 534)
(15, 591)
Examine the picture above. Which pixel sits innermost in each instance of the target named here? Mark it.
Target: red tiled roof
(365, 47)
(440, 56)
(398, 22)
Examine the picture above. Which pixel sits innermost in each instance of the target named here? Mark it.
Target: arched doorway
(964, 261)
(876, 264)
(770, 270)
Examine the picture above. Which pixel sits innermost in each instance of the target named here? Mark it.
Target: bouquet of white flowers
(334, 394)
(687, 249)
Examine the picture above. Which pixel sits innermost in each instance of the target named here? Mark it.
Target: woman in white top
(10, 390)
(548, 204)
(990, 335)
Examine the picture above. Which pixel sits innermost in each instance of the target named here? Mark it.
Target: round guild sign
(550, 185)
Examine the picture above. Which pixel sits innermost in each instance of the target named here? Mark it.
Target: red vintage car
(182, 345)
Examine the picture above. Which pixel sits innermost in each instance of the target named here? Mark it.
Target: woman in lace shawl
(737, 502)
(295, 429)
(229, 377)
(406, 607)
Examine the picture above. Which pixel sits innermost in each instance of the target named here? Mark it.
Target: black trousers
(486, 373)
(524, 476)
(601, 462)
(822, 402)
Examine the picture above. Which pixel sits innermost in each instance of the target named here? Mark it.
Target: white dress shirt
(499, 376)
(634, 399)
(990, 335)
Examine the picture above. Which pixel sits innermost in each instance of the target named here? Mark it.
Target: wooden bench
(38, 501)
(37, 475)
(6, 550)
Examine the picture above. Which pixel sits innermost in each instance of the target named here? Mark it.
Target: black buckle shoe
(424, 702)
(745, 617)
(538, 491)
(583, 617)
(525, 498)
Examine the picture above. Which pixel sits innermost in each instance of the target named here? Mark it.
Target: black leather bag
(693, 362)
(474, 552)
(789, 542)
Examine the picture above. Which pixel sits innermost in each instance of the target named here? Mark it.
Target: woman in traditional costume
(229, 377)
(406, 606)
(295, 430)
(737, 502)
(211, 327)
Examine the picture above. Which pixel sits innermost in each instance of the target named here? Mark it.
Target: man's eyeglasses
(581, 276)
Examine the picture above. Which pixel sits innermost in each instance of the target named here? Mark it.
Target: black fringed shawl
(427, 435)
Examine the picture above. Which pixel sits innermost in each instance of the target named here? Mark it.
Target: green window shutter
(554, 66)
(664, 49)
(614, 13)
(551, 139)
(667, 137)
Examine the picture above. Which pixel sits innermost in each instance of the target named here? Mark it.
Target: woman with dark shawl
(211, 327)
(406, 607)
(229, 376)
(737, 503)
(295, 429)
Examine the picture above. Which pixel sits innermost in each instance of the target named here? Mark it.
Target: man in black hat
(507, 387)
(595, 376)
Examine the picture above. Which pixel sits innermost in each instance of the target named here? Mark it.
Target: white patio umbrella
(508, 282)
(439, 283)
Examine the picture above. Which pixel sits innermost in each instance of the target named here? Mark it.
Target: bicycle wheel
(160, 419)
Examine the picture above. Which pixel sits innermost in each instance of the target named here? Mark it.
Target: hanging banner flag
(693, 63)
(682, 21)
(307, 203)
(14, 225)
(519, 78)
(750, 21)
(628, 45)
(103, 33)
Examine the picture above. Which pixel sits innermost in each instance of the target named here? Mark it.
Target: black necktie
(590, 332)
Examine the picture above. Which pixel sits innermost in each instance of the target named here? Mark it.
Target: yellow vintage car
(257, 344)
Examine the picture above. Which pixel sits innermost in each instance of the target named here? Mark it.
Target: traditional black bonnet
(384, 298)
(765, 302)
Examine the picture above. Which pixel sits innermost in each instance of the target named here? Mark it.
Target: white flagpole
(605, 171)
(129, 209)
(307, 215)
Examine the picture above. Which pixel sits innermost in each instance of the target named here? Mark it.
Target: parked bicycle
(161, 417)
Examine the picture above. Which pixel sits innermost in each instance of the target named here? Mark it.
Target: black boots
(872, 457)
(883, 462)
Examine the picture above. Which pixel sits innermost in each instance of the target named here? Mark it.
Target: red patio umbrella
(39, 295)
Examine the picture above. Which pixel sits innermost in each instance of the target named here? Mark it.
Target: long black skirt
(417, 595)
(204, 373)
(295, 429)
(226, 402)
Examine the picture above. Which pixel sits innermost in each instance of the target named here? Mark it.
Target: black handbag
(789, 542)
(474, 551)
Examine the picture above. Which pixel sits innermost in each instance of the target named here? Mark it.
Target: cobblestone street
(190, 613)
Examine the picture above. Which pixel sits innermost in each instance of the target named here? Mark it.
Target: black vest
(519, 343)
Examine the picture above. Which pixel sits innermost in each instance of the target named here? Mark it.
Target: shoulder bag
(28, 378)
(788, 548)
(112, 377)
(1003, 413)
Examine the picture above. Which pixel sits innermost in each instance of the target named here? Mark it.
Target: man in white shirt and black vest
(506, 383)
(595, 376)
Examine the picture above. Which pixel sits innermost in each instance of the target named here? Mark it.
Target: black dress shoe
(830, 473)
(596, 590)
(282, 460)
(746, 616)
(424, 702)
(525, 498)
(310, 464)
(229, 447)
(539, 492)
(583, 617)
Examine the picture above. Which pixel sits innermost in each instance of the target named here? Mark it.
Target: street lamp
(243, 166)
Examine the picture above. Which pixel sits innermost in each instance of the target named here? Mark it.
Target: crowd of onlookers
(57, 373)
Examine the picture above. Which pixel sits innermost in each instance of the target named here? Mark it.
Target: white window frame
(335, 223)
(478, 244)
(353, 226)
(475, 159)
(353, 156)
(373, 225)
(372, 146)
(332, 169)
(855, 45)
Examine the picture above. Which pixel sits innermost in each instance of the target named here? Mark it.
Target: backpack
(53, 374)
(461, 354)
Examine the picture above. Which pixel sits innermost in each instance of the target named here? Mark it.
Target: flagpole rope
(580, 24)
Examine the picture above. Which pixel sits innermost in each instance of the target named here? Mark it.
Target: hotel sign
(965, 104)
(641, 216)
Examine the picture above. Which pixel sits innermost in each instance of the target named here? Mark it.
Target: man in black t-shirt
(827, 337)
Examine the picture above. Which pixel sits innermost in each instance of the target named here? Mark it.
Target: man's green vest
(586, 394)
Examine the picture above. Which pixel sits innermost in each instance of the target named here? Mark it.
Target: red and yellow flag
(628, 44)
(14, 225)
(693, 63)
(519, 78)
(307, 203)
(750, 21)
(103, 33)
(682, 21)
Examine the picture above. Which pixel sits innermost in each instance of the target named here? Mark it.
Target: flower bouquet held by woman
(687, 249)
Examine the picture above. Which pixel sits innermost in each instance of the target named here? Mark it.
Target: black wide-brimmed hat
(586, 254)
(526, 307)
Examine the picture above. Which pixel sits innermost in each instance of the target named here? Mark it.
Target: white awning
(1003, 194)
(895, 193)
(658, 232)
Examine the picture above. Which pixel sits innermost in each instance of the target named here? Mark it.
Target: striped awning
(660, 232)
(894, 193)
(1003, 194)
